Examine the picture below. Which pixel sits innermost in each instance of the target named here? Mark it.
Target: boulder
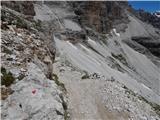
(35, 97)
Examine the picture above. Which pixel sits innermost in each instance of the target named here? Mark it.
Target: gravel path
(85, 102)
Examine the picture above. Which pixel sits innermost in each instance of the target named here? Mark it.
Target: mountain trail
(85, 101)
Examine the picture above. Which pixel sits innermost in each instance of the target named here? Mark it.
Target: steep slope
(144, 34)
(106, 57)
(99, 59)
(81, 45)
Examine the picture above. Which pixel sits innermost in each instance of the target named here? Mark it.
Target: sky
(149, 6)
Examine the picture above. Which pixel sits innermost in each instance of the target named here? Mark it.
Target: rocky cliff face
(101, 16)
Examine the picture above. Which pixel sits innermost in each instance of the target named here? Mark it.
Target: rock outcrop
(29, 89)
(100, 16)
(35, 97)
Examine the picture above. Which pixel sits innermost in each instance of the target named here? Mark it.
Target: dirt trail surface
(84, 100)
(96, 99)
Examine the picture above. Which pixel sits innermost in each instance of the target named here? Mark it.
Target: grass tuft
(55, 78)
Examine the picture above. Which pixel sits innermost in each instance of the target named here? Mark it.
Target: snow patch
(72, 45)
(84, 48)
(115, 32)
(91, 41)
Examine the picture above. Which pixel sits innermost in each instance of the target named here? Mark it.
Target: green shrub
(21, 23)
(66, 117)
(55, 77)
(7, 79)
(64, 104)
(37, 25)
(6, 50)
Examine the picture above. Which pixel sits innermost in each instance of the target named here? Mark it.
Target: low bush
(6, 50)
(21, 23)
(7, 79)
(37, 24)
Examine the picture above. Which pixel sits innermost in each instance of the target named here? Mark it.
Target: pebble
(23, 70)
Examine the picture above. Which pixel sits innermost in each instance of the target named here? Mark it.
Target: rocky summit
(79, 60)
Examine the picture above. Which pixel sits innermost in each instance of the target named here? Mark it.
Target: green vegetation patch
(6, 50)
(7, 79)
(38, 25)
(21, 23)
(121, 58)
(55, 78)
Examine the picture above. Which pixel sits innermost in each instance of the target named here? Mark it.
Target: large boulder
(35, 97)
